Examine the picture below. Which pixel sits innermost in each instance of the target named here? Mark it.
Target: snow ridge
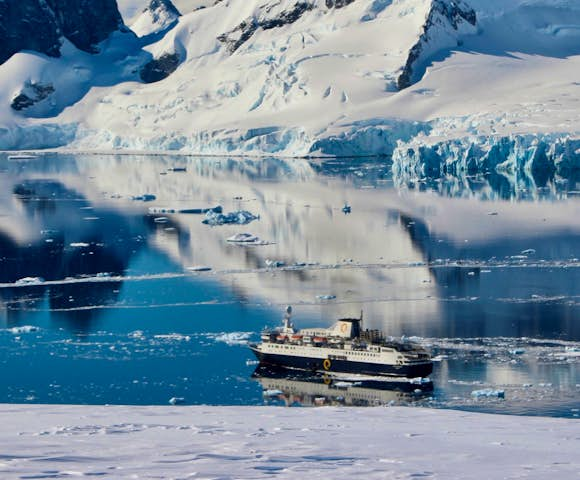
(445, 21)
(159, 16)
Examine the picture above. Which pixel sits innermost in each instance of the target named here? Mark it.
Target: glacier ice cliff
(510, 154)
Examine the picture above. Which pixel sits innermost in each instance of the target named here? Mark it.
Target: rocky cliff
(444, 22)
(41, 25)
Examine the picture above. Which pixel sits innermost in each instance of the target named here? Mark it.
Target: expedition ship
(344, 348)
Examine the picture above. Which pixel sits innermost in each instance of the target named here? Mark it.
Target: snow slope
(292, 78)
(262, 442)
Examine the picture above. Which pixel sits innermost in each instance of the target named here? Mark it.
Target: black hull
(343, 366)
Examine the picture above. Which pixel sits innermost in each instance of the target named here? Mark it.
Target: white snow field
(319, 81)
(269, 442)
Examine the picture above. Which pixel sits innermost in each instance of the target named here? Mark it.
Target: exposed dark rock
(86, 22)
(242, 33)
(159, 68)
(338, 3)
(156, 6)
(39, 25)
(286, 17)
(31, 95)
(454, 13)
(27, 25)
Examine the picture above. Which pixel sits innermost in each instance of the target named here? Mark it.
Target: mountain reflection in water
(452, 258)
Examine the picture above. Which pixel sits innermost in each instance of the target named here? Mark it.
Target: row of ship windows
(363, 354)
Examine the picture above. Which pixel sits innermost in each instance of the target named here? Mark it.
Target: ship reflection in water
(294, 388)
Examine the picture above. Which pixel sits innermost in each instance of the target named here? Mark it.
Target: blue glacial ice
(508, 154)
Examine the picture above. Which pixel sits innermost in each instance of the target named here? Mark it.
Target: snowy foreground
(41, 441)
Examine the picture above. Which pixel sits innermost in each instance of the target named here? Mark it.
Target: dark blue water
(99, 303)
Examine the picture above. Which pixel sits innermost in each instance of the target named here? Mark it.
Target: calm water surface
(101, 303)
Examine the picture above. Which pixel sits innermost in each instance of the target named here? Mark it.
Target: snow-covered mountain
(438, 84)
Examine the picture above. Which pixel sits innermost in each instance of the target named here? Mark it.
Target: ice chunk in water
(325, 297)
(272, 393)
(488, 393)
(240, 217)
(246, 239)
(23, 329)
(29, 281)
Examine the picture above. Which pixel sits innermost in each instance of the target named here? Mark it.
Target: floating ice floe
(176, 401)
(23, 329)
(173, 336)
(274, 263)
(79, 244)
(247, 239)
(22, 156)
(192, 211)
(199, 268)
(233, 338)
(272, 393)
(29, 281)
(147, 197)
(325, 297)
(239, 217)
(488, 393)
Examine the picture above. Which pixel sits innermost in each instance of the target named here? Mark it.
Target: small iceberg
(24, 329)
(274, 263)
(233, 338)
(325, 297)
(199, 268)
(147, 197)
(272, 392)
(246, 239)
(488, 393)
(242, 238)
(239, 217)
(29, 281)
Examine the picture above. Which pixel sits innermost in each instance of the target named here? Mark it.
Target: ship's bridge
(345, 327)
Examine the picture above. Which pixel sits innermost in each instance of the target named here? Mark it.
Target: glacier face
(488, 84)
(514, 154)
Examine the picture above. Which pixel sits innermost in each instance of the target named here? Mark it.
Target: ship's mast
(287, 319)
